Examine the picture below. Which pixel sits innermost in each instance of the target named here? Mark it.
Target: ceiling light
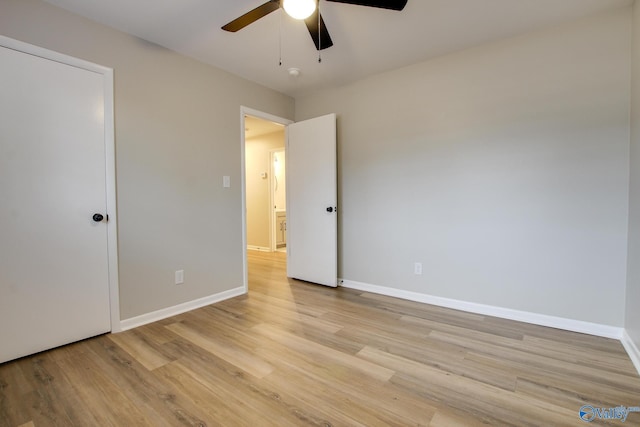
(299, 9)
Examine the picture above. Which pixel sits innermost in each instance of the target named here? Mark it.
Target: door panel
(54, 283)
(311, 191)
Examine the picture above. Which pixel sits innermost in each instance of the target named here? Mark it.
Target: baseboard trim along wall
(258, 248)
(632, 350)
(488, 310)
(154, 316)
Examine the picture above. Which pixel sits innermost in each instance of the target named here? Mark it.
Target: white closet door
(54, 283)
(312, 227)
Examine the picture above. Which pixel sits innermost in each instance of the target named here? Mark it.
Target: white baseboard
(154, 316)
(489, 310)
(258, 248)
(632, 350)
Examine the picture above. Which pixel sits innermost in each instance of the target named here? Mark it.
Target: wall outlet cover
(179, 277)
(417, 268)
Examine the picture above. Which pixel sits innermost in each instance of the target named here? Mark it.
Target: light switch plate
(226, 181)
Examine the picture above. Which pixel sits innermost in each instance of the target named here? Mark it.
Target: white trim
(258, 248)
(164, 313)
(110, 165)
(246, 111)
(632, 350)
(272, 214)
(272, 190)
(488, 310)
(111, 198)
(51, 55)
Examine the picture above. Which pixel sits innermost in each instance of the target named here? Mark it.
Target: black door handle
(330, 209)
(98, 217)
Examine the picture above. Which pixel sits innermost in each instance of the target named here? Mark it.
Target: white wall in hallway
(257, 155)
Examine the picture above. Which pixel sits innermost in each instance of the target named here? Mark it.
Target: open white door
(312, 201)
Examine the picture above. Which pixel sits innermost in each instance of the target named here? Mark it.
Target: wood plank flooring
(294, 354)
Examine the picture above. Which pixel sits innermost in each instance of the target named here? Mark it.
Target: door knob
(98, 217)
(330, 209)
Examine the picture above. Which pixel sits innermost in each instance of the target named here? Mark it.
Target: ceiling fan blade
(322, 40)
(384, 4)
(252, 16)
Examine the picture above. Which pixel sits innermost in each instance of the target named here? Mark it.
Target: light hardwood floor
(292, 354)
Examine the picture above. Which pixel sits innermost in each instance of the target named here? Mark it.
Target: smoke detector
(294, 72)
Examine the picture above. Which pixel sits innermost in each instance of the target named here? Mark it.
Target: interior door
(54, 276)
(312, 201)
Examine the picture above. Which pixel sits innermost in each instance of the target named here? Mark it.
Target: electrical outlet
(417, 268)
(179, 277)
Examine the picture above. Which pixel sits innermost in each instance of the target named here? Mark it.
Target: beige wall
(177, 134)
(257, 156)
(632, 324)
(502, 168)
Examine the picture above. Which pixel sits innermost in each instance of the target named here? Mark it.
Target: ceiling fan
(306, 10)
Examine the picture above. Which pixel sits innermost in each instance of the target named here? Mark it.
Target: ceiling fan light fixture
(299, 9)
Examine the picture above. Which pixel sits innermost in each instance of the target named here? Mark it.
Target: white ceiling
(366, 40)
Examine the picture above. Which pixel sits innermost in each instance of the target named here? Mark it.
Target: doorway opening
(264, 187)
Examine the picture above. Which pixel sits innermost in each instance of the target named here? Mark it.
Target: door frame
(110, 166)
(246, 111)
(272, 213)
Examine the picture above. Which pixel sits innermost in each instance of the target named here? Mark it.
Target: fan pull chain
(280, 40)
(319, 35)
